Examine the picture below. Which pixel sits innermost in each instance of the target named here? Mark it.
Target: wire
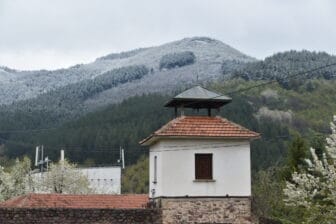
(265, 83)
(27, 130)
(228, 93)
(113, 149)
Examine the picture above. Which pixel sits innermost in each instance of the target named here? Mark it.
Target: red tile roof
(201, 126)
(125, 201)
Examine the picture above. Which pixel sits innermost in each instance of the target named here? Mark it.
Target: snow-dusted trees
(179, 59)
(315, 188)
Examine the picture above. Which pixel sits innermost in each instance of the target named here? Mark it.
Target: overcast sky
(49, 34)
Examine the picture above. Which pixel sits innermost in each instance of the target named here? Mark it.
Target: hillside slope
(209, 53)
(303, 105)
(275, 112)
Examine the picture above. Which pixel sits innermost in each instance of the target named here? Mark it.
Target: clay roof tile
(202, 126)
(125, 201)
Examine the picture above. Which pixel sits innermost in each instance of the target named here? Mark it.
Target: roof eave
(189, 102)
(154, 138)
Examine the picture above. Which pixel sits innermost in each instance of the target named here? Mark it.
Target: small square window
(203, 167)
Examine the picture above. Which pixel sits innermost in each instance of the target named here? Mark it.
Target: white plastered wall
(176, 168)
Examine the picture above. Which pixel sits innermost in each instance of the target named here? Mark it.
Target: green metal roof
(198, 97)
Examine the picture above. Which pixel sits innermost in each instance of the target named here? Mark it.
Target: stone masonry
(228, 210)
(79, 216)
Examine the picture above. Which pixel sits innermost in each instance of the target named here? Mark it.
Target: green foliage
(179, 59)
(267, 193)
(99, 135)
(135, 177)
(297, 153)
(267, 197)
(318, 143)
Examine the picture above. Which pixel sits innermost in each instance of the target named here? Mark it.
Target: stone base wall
(79, 216)
(226, 210)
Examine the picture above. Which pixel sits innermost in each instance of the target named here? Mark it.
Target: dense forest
(180, 59)
(283, 68)
(65, 103)
(274, 110)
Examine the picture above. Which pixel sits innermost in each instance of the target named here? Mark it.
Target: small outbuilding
(200, 169)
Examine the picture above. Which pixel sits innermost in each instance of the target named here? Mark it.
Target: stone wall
(79, 216)
(226, 210)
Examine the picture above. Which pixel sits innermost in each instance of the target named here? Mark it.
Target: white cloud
(57, 33)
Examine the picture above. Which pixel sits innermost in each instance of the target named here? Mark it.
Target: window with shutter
(203, 167)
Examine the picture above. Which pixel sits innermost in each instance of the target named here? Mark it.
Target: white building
(200, 165)
(104, 180)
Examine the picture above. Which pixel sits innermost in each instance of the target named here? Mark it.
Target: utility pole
(39, 158)
(123, 158)
(62, 155)
(36, 155)
(41, 161)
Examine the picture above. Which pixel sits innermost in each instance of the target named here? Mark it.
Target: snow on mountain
(210, 53)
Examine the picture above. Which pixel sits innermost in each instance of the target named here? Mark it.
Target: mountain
(122, 103)
(168, 64)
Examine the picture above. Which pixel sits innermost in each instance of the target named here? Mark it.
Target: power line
(266, 83)
(289, 76)
(114, 149)
(228, 93)
(26, 130)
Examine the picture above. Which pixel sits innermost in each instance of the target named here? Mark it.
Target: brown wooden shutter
(203, 166)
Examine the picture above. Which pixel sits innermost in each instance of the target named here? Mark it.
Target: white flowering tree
(315, 188)
(17, 181)
(64, 178)
(4, 184)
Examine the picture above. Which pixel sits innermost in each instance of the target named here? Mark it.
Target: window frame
(198, 173)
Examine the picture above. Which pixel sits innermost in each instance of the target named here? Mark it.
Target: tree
(64, 178)
(17, 181)
(297, 153)
(315, 189)
(267, 193)
(4, 185)
(136, 177)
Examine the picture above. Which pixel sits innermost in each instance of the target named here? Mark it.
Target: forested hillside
(93, 118)
(276, 110)
(282, 66)
(272, 110)
(65, 103)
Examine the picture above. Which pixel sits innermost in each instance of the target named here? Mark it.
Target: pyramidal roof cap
(198, 97)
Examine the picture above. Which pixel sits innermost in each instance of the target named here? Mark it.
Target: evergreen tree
(297, 153)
